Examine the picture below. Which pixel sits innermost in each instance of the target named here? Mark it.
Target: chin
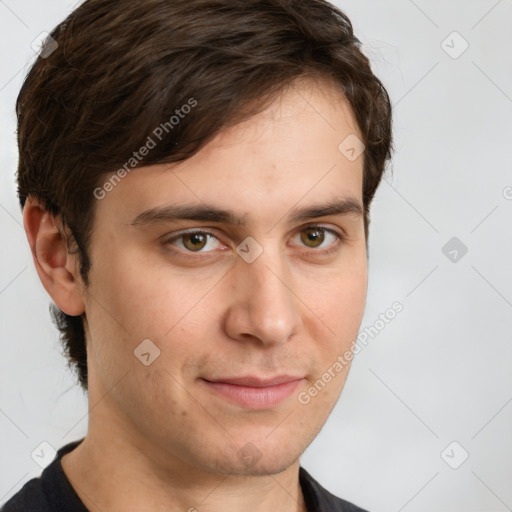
(249, 460)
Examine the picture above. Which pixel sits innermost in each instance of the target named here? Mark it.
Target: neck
(110, 472)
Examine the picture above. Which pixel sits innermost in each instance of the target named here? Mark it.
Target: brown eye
(321, 239)
(195, 241)
(312, 237)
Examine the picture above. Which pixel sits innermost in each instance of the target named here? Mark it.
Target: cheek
(129, 306)
(339, 301)
(345, 306)
(338, 309)
(143, 298)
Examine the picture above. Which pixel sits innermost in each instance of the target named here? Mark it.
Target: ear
(56, 267)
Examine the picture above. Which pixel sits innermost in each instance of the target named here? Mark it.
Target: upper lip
(256, 382)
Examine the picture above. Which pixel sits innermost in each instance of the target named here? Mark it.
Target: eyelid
(176, 236)
(340, 235)
(329, 229)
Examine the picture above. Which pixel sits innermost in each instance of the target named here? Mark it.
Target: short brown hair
(122, 68)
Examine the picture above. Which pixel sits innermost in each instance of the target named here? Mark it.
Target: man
(195, 178)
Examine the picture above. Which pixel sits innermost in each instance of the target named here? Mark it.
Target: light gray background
(441, 370)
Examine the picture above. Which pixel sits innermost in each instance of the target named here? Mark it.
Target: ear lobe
(54, 264)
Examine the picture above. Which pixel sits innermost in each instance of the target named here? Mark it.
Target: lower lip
(254, 398)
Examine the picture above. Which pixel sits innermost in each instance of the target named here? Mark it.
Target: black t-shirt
(52, 492)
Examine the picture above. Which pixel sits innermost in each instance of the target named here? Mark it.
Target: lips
(253, 392)
(257, 382)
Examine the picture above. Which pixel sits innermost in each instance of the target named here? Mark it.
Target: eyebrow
(208, 213)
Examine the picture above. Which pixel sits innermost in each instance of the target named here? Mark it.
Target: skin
(158, 437)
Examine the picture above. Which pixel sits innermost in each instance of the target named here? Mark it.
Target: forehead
(287, 154)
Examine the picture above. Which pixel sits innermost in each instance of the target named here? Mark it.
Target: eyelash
(340, 238)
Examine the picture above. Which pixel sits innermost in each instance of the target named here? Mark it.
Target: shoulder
(319, 499)
(30, 497)
(51, 492)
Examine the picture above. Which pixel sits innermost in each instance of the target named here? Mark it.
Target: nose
(264, 306)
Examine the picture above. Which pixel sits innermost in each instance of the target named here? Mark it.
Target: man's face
(240, 339)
